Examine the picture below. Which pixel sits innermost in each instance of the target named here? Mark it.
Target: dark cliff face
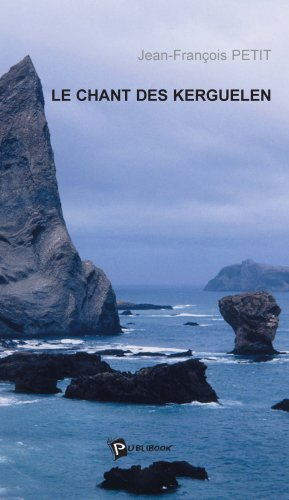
(250, 275)
(45, 288)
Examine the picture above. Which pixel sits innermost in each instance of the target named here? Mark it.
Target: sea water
(56, 448)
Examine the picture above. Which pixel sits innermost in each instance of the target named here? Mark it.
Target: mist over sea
(51, 447)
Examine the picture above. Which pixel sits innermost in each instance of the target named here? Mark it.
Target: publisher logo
(118, 448)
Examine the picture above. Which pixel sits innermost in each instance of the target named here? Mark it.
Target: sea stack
(45, 288)
(254, 319)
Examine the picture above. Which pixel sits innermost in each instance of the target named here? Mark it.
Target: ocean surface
(53, 448)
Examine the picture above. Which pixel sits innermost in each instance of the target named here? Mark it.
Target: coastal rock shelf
(181, 382)
(45, 288)
(254, 319)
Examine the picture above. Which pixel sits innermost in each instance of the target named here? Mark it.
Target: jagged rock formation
(181, 382)
(159, 477)
(45, 288)
(250, 276)
(254, 319)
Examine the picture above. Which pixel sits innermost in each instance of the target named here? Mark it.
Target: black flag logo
(118, 448)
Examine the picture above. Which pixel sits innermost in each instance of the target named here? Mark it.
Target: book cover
(143, 250)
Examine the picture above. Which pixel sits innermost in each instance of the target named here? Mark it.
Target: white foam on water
(208, 405)
(6, 401)
(42, 345)
(184, 315)
(27, 402)
(279, 360)
(12, 401)
(4, 354)
(137, 348)
(227, 361)
(161, 315)
(71, 341)
(183, 306)
(3, 460)
(134, 350)
(197, 315)
(229, 403)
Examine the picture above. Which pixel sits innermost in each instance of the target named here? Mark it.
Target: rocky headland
(45, 288)
(254, 319)
(250, 276)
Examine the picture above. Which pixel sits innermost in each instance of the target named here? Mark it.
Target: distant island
(250, 276)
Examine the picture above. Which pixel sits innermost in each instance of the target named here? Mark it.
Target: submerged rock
(250, 275)
(283, 405)
(254, 319)
(181, 382)
(123, 306)
(127, 312)
(45, 288)
(191, 323)
(159, 477)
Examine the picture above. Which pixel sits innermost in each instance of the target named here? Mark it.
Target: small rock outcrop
(181, 382)
(45, 288)
(159, 477)
(119, 353)
(124, 306)
(183, 354)
(250, 275)
(283, 405)
(254, 319)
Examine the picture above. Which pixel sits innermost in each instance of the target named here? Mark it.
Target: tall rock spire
(45, 288)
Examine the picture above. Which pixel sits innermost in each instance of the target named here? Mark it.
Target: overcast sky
(163, 192)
